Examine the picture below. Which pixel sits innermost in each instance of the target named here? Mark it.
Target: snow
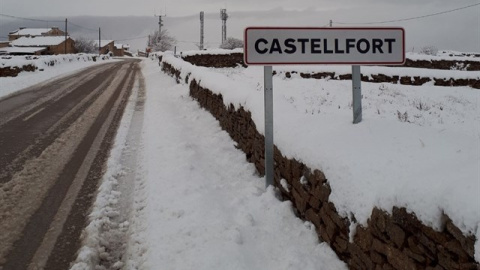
(38, 41)
(209, 206)
(103, 42)
(198, 204)
(64, 65)
(375, 70)
(22, 49)
(31, 31)
(212, 52)
(418, 146)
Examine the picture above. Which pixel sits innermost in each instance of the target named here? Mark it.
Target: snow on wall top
(38, 41)
(441, 55)
(212, 52)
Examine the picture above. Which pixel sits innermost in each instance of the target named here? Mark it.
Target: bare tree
(162, 41)
(429, 50)
(232, 43)
(85, 45)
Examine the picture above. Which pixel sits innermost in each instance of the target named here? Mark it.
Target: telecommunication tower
(224, 17)
(201, 29)
(160, 22)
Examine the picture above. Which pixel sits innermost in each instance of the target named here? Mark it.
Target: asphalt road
(54, 142)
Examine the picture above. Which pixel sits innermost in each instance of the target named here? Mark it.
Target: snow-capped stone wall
(390, 241)
(220, 60)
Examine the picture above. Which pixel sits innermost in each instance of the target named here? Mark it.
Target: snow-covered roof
(31, 31)
(9, 50)
(103, 42)
(38, 41)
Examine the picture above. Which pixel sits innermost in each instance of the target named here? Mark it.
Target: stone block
(363, 238)
(467, 243)
(361, 258)
(416, 257)
(315, 203)
(300, 202)
(340, 244)
(312, 216)
(377, 258)
(396, 234)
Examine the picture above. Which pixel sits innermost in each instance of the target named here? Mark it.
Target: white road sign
(352, 46)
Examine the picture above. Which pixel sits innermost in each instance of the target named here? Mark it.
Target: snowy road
(198, 203)
(55, 138)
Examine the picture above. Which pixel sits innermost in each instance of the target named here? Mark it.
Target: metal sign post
(357, 94)
(268, 97)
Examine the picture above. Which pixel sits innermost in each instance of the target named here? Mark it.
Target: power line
(413, 18)
(126, 39)
(28, 19)
(86, 28)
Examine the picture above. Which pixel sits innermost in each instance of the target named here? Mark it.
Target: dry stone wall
(396, 240)
(235, 59)
(14, 71)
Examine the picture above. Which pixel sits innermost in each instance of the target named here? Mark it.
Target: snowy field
(418, 146)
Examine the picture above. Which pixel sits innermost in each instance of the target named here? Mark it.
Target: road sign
(299, 46)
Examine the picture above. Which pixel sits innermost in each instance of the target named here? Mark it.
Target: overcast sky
(456, 30)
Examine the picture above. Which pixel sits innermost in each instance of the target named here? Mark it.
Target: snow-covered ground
(417, 147)
(198, 204)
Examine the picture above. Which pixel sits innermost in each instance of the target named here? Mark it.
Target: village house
(42, 45)
(106, 46)
(35, 32)
(121, 50)
(4, 44)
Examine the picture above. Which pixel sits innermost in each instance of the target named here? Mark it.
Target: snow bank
(207, 209)
(48, 67)
(389, 71)
(445, 55)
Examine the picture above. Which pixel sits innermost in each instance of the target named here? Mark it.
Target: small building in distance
(121, 50)
(48, 44)
(106, 46)
(4, 43)
(35, 32)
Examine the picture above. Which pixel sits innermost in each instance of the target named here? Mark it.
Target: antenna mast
(224, 17)
(160, 20)
(201, 29)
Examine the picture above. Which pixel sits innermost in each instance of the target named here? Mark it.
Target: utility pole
(201, 29)
(160, 21)
(224, 17)
(66, 28)
(160, 24)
